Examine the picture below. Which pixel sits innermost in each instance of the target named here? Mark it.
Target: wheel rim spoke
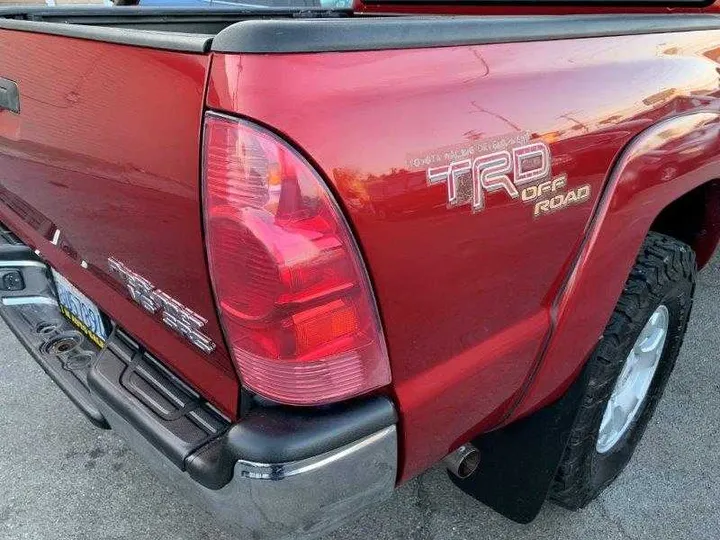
(645, 359)
(634, 381)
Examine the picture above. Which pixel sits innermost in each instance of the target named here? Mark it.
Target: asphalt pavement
(60, 478)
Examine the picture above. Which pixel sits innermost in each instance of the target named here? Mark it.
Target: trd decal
(511, 164)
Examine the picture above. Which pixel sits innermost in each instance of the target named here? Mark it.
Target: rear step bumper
(280, 472)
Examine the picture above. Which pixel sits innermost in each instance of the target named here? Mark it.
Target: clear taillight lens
(293, 295)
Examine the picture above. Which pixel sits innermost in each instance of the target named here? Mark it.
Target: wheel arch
(670, 168)
(694, 218)
(640, 195)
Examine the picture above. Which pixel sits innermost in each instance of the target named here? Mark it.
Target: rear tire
(663, 275)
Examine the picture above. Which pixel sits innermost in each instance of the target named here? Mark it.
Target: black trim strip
(286, 32)
(374, 33)
(172, 41)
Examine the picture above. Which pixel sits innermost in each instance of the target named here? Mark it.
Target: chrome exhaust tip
(464, 461)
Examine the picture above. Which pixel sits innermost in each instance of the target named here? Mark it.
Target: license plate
(80, 310)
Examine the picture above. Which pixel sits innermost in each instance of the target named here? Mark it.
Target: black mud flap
(519, 462)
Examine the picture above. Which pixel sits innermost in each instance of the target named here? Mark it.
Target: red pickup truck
(295, 257)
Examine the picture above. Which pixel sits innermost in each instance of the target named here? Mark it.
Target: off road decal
(551, 196)
(512, 164)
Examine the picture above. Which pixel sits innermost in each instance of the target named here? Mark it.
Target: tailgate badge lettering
(180, 318)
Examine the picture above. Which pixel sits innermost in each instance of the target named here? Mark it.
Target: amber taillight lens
(293, 295)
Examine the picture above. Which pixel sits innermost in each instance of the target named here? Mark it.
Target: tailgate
(102, 161)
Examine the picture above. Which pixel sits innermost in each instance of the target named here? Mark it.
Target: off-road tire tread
(661, 260)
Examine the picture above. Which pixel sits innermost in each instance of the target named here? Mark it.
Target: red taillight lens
(293, 294)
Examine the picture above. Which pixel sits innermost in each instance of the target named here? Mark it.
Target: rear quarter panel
(467, 299)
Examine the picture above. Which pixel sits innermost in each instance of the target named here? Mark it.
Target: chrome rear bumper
(279, 473)
(301, 499)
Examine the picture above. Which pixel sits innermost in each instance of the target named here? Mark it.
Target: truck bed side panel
(467, 298)
(105, 150)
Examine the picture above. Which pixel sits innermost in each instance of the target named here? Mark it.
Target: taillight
(293, 294)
